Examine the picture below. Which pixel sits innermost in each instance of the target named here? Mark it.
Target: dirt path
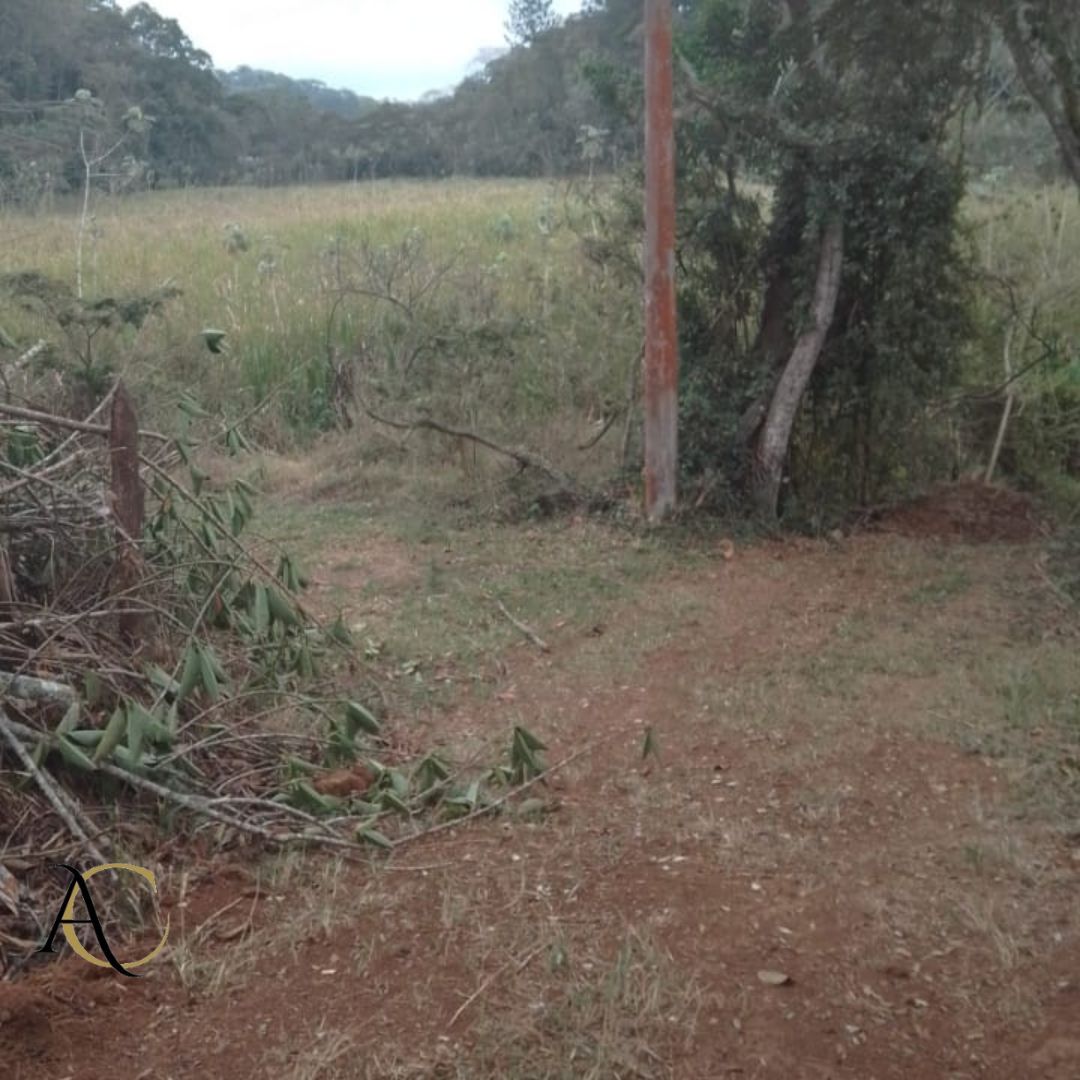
(813, 876)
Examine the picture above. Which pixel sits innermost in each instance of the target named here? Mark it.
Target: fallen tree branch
(604, 429)
(49, 420)
(526, 458)
(491, 807)
(242, 551)
(39, 475)
(31, 689)
(32, 353)
(204, 806)
(527, 631)
(198, 804)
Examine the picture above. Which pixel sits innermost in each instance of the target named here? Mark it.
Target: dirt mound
(968, 511)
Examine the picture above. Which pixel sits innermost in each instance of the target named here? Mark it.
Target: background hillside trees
(526, 20)
(563, 101)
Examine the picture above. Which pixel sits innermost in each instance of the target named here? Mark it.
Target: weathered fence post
(661, 340)
(127, 507)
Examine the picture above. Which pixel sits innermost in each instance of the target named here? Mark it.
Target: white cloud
(394, 48)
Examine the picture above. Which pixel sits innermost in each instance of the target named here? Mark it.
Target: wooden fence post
(661, 334)
(128, 501)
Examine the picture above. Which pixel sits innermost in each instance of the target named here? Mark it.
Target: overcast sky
(386, 48)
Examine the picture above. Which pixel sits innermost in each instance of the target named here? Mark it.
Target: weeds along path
(851, 851)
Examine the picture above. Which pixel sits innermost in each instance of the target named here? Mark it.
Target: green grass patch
(941, 589)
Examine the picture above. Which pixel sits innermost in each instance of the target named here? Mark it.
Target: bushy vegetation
(821, 135)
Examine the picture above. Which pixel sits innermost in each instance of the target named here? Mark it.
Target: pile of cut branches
(148, 653)
(150, 656)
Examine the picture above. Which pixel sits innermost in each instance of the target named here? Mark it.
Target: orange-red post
(661, 333)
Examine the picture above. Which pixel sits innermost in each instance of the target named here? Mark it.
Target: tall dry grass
(521, 332)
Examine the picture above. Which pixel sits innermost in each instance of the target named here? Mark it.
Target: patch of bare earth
(808, 877)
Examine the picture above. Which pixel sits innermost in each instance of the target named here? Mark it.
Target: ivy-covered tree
(844, 107)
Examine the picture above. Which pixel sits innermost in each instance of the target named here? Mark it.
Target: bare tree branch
(526, 458)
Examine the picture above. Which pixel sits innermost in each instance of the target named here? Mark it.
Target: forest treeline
(133, 77)
(562, 100)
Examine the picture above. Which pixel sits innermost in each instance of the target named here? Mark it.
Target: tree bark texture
(661, 360)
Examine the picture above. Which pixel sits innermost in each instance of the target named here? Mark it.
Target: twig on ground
(527, 631)
(518, 966)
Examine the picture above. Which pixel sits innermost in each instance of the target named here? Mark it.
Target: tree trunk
(771, 449)
(775, 340)
(773, 344)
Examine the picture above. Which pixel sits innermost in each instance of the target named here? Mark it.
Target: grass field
(473, 294)
(472, 299)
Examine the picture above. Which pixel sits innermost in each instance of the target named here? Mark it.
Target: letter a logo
(65, 918)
